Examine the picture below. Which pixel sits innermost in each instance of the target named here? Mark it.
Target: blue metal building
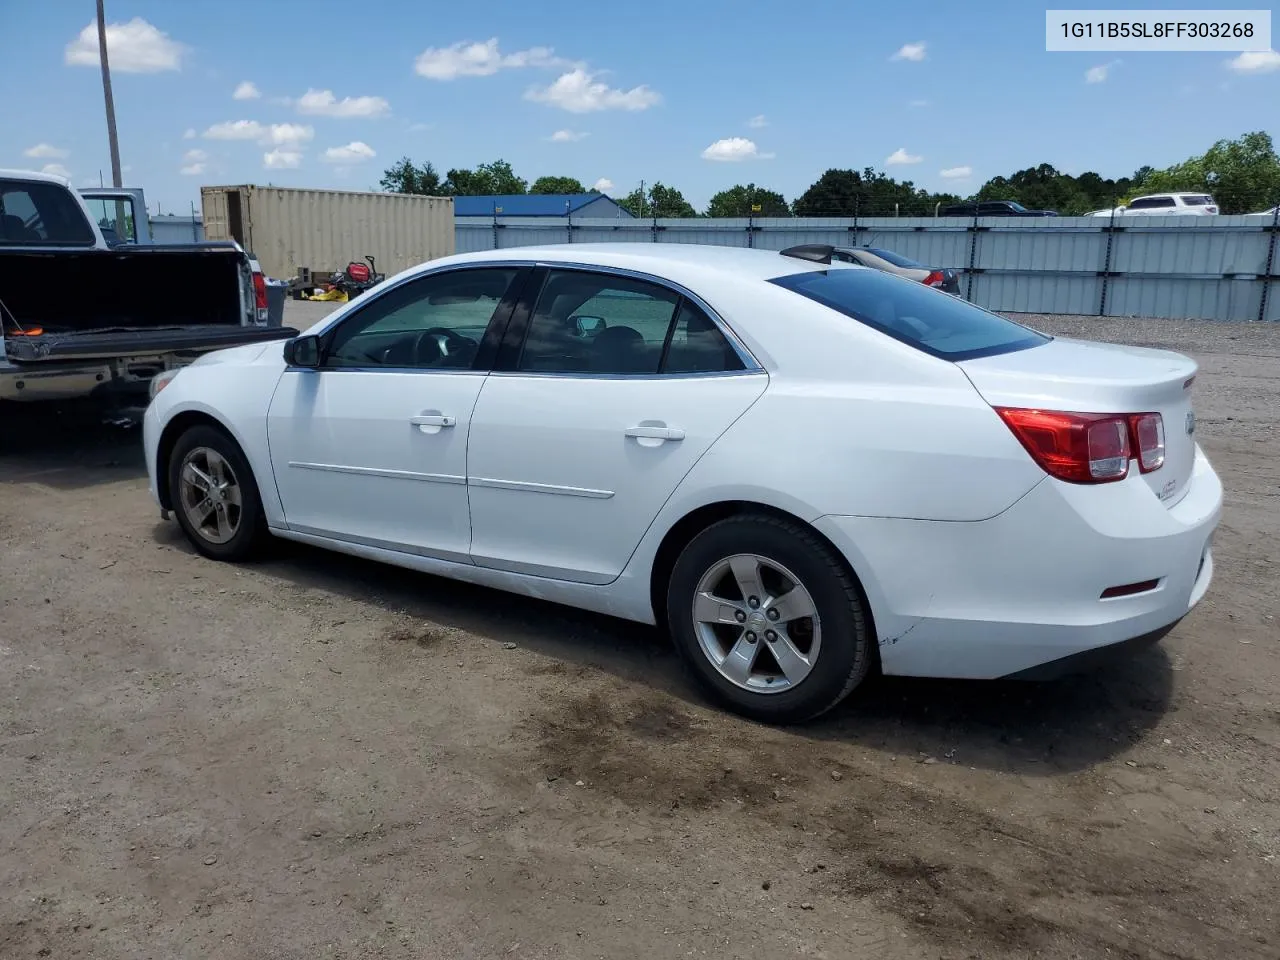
(539, 205)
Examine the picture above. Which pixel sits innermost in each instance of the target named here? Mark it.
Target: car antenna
(814, 252)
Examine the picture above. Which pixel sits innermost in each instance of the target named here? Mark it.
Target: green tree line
(1243, 175)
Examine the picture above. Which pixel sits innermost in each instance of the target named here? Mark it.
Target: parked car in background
(879, 258)
(1264, 213)
(1171, 205)
(802, 467)
(992, 208)
(84, 317)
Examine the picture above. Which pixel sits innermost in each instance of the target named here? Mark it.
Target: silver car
(880, 259)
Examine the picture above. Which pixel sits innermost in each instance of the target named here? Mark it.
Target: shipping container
(290, 229)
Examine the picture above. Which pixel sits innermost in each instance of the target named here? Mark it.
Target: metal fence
(1213, 268)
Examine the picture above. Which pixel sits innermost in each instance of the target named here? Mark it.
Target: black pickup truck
(84, 318)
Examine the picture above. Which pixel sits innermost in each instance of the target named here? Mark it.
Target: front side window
(927, 319)
(598, 324)
(434, 322)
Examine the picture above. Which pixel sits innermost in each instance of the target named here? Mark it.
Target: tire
(827, 653)
(213, 454)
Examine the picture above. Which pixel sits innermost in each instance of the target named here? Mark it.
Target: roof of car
(34, 175)
(657, 258)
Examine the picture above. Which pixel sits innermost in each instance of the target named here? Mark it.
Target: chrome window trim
(750, 364)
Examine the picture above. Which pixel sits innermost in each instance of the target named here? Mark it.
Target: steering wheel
(449, 344)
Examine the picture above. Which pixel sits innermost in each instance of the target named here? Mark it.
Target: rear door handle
(433, 420)
(655, 431)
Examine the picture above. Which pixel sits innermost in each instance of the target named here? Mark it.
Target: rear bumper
(1022, 590)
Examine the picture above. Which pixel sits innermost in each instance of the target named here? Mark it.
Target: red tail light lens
(1076, 447)
(1148, 435)
(934, 279)
(260, 291)
(1088, 447)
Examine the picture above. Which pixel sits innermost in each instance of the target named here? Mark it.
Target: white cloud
(194, 156)
(190, 134)
(604, 185)
(282, 160)
(758, 121)
(193, 163)
(1100, 73)
(44, 151)
(419, 127)
(236, 130)
(192, 170)
(323, 103)
(910, 51)
(578, 91)
(353, 152)
(288, 134)
(567, 136)
(57, 169)
(246, 91)
(467, 59)
(1255, 61)
(956, 173)
(732, 149)
(918, 103)
(133, 47)
(275, 135)
(901, 156)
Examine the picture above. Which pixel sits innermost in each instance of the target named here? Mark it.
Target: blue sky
(779, 92)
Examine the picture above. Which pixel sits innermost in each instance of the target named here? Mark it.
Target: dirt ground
(315, 756)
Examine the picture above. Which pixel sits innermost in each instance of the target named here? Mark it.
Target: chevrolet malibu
(805, 470)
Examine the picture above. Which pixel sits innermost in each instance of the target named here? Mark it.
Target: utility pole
(106, 92)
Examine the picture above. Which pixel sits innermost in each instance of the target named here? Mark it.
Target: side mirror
(302, 352)
(589, 326)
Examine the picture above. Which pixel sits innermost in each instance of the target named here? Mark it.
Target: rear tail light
(259, 291)
(934, 279)
(260, 295)
(1088, 447)
(1212, 209)
(1148, 436)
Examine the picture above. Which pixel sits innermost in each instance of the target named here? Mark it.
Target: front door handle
(432, 420)
(655, 431)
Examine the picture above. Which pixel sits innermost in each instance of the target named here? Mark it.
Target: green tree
(1044, 187)
(738, 200)
(660, 201)
(1243, 174)
(487, 179)
(557, 185)
(404, 177)
(847, 193)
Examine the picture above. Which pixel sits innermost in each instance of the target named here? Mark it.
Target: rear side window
(41, 213)
(927, 319)
(1197, 200)
(590, 324)
(1151, 203)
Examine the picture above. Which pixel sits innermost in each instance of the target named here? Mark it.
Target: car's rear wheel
(768, 618)
(215, 496)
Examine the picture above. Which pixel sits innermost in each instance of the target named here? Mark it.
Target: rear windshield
(932, 321)
(897, 259)
(39, 213)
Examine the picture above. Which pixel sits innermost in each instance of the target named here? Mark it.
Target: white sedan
(804, 469)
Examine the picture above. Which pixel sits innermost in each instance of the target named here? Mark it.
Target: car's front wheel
(215, 496)
(768, 618)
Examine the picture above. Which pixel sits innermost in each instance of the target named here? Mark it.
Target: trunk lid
(1081, 376)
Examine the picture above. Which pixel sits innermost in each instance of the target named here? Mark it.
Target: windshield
(897, 259)
(932, 321)
(38, 213)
